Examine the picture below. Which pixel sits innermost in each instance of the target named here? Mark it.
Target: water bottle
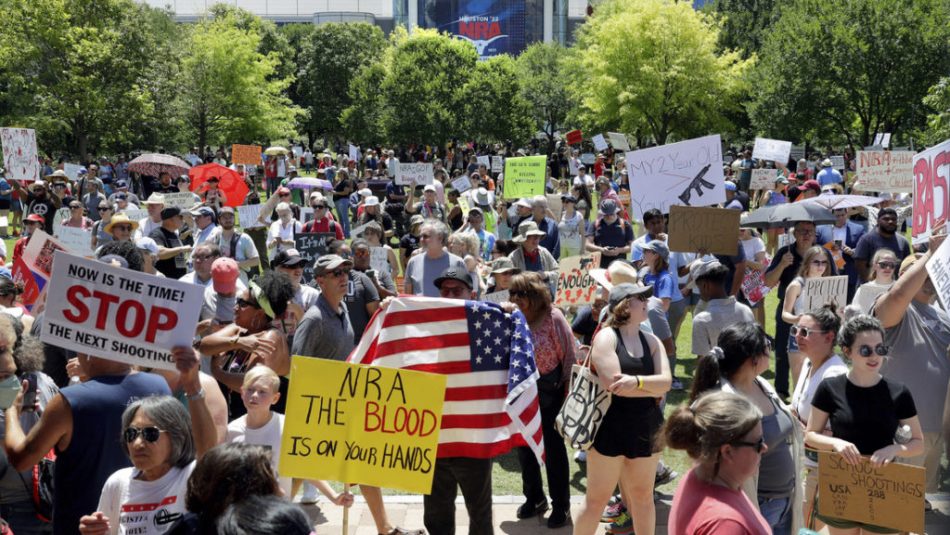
(902, 436)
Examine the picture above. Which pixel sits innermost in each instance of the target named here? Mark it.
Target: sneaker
(559, 518)
(528, 509)
(622, 525)
(676, 385)
(664, 475)
(612, 512)
(580, 456)
(308, 494)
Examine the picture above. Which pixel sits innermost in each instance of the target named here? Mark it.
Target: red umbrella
(230, 182)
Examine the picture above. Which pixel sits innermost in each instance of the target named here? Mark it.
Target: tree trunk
(202, 131)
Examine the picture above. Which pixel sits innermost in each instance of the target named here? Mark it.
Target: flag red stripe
(471, 393)
(479, 451)
(528, 414)
(405, 345)
(475, 421)
(410, 317)
(442, 367)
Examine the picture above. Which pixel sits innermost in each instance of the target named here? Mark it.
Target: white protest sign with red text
(118, 314)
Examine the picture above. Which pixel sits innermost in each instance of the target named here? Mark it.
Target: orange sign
(246, 154)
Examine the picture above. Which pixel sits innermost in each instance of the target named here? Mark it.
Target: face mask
(9, 388)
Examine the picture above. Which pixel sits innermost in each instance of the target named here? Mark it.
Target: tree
(362, 119)
(938, 121)
(227, 90)
(744, 23)
(544, 87)
(330, 59)
(651, 67)
(494, 109)
(841, 70)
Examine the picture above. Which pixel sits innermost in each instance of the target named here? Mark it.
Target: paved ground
(406, 512)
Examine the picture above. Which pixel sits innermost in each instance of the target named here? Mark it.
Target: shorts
(841, 523)
(5, 204)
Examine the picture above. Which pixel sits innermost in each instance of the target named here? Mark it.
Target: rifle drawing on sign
(697, 184)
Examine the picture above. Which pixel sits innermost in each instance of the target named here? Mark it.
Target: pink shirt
(700, 508)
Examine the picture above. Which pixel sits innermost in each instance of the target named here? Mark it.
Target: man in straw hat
(530, 256)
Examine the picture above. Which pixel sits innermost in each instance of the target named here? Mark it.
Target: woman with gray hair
(157, 438)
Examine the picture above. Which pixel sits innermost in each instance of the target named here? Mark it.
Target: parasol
(230, 182)
(154, 164)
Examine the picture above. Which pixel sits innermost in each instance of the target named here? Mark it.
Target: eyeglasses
(805, 232)
(758, 445)
(244, 303)
(887, 265)
(867, 351)
(104, 208)
(149, 434)
(338, 272)
(795, 330)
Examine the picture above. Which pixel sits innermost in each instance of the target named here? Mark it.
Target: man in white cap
(732, 201)
(204, 221)
(828, 176)
(154, 205)
(429, 206)
(373, 212)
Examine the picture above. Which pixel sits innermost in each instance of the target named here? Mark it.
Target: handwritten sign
(524, 176)
(312, 246)
(484, 160)
(686, 173)
(497, 164)
(19, 154)
(72, 170)
(248, 215)
(497, 297)
(601, 144)
(938, 267)
(185, 200)
(771, 149)
(715, 230)
(354, 152)
(413, 174)
(821, 291)
(246, 154)
(891, 496)
(931, 170)
(75, 239)
(369, 424)
(763, 178)
(619, 141)
(575, 286)
(890, 171)
(837, 162)
(462, 184)
(119, 314)
(379, 259)
(61, 215)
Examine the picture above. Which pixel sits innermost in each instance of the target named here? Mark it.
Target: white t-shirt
(752, 247)
(268, 436)
(144, 507)
(808, 384)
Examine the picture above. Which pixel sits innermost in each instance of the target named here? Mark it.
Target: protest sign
(311, 246)
(575, 286)
(555, 205)
(379, 259)
(763, 178)
(931, 170)
(786, 238)
(119, 314)
(715, 230)
(938, 267)
(497, 164)
(39, 251)
(135, 214)
(413, 174)
(797, 152)
(574, 137)
(771, 149)
(357, 232)
(891, 496)
(61, 215)
(837, 162)
(19, 154)
(685, 173)
(76, 240)
(246, 154)
(889, 171)
(588, 158)
(462, 184)
(524, 176)
(497, 297)
(877, 139)
(306, 214)
(354, 152)
(484, 160)
(185, 200)
(463, 204)
(869, 293)
(24, 279)
(297, 150)
(753, 285)
(573, 166)
(248, 215)
(820, 291)
(368, 424)
(618, 141)
(600, 143)
(72, 170)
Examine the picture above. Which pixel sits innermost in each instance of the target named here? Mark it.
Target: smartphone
(371, 273)
(29, 397)
(838, 244)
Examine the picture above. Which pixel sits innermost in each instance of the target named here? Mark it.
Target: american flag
(491, 396)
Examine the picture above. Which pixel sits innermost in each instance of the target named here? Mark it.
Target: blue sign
(493, 26)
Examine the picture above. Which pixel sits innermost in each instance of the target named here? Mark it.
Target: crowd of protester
(197, 450)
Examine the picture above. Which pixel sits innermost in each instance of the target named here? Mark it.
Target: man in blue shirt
(612, 237)
(828, 176)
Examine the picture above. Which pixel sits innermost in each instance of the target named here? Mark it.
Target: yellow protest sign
(574, 283)
(891, 496)
(524, 176)
(366, 424)
(463, 204)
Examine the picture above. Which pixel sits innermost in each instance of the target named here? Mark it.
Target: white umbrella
(835, 202)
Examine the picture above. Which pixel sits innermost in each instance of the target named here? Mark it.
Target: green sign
(524, 177)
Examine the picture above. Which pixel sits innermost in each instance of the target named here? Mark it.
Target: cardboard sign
(311, 246)
(820, 291)
(574, 137)
(354, 152)
(931, 170)
(618, 141)
(575, 286)
(686, 173)
(462, 184)
(771, 149)
(891, 496)
(497, 164)
(119, 314)
(185, 200)
(600, 143)
(19, 154)
(763, 178)
(248, 215)
(246, 154)
(414, 174)
(524, 176)
(498, 297)
(715, 230)
(555, 205)
(938, 267)
(379, 259)
(367, 424)
(889, 171)
(76, 240)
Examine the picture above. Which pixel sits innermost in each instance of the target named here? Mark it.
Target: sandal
(403, 531)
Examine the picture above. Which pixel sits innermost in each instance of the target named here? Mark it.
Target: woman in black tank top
(632, 365)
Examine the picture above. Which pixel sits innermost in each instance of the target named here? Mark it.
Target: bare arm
(202, 424)
(891, 306)
(54, 429)
(791, 295)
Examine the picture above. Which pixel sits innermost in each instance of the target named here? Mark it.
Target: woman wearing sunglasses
(884, 266)
(735, 365)
(723, 434)
(864, 409)
(77, 217)
(157, 438)
(815, 263)
(100, 235)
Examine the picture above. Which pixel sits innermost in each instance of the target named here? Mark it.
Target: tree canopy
(544, 87)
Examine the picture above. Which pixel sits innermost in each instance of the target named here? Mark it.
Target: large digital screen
(493, 26)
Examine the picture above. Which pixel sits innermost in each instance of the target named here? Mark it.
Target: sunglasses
(887, 265)
(867, 351)
(517, 293)
(244, 303)
(71, 207)
(104, 208)
(319, 207)
(338, 272)
(795, 330)
(127, 228)
(149, 434)
(758, 445)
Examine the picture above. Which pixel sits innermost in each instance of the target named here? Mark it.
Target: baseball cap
(202, 210)
(36, 218)
(524, 203)
(329, 262)
(289, 258)
(730, 186)
(372, 200)
(224, 275)
(812, 185)
(147, 244)
(416, 220)
(624, 290)
(170, 212)
(504, 265)
(608, 207)
(121, 184)
(659, 247)
(429, 187)
(454, 273)
(225, 210)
